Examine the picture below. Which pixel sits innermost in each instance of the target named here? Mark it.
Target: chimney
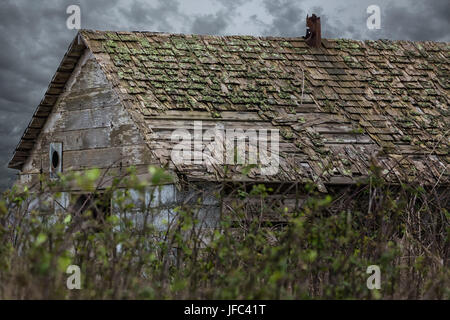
(313, 33)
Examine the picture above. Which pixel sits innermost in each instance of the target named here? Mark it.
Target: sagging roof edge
(45, 107)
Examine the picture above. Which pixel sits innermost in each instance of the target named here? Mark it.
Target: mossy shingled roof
(337, 107)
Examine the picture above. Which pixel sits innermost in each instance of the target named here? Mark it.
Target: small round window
(55, 159)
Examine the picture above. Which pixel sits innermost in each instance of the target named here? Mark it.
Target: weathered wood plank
(346, 138)
(202, 115)
(90, 99)
(94, 128)
(93, 118)
(101, 158)
(189, 124)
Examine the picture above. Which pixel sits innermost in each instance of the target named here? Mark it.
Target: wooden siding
(92, 124)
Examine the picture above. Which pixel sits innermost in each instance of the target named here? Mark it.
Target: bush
(320, 249)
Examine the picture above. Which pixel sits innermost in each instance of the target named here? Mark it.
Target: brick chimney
(313, 33)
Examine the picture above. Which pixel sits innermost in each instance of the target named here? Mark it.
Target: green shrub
(319, 249)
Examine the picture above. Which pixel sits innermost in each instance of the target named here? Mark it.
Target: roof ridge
(263, 37)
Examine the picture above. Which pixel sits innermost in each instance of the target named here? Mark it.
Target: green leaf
(67, 219)
(93, 174)
(40, 239)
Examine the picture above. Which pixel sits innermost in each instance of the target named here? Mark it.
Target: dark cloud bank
(34, 37)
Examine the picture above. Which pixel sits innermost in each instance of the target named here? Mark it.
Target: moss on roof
(335, 106)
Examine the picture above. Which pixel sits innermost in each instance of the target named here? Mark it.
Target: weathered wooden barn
(117, 97)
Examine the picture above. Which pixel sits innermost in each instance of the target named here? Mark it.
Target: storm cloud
(34, 36)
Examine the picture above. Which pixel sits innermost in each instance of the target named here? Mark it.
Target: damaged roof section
(338, 107)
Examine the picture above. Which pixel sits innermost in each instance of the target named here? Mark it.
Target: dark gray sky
(34, 36)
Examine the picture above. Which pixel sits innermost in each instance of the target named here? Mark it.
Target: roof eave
(43, 110)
